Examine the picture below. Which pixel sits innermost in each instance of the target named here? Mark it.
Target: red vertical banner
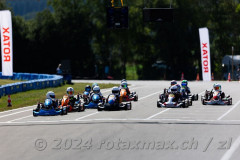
(6, 42)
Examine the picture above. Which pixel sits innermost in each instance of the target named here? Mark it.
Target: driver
(96, 90)
(51, 95)
(175, 90)
(116, 92)
(217, 89)
(185, 89)
(124, 85)
(72, 99)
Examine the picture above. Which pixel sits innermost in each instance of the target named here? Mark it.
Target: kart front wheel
(34, 114)
(128, 106)
(203, 102)
(136, 98)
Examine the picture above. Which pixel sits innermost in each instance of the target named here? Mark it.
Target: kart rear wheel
(158, 105)
(229, 101)
(196, 97)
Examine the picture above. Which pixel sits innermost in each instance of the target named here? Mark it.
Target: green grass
(7, 81)
(29, 98)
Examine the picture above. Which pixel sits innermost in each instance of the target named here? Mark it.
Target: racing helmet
(217, 87)
(184, 83)
(174, 89)
(96, 89)
(124, 85)
(88, 88)
(50, 95)
(93, 85)
(70, 91)
(173, 82)
(115, 90)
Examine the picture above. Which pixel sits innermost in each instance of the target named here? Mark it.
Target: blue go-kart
(48, 109)
(95, 102)
(113, 104)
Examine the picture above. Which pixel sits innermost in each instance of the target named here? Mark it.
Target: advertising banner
(205, 54)
(6, 42)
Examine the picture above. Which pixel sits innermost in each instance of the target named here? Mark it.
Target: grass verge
(8, 81)
(29, 98)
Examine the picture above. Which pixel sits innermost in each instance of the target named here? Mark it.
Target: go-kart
(95, 102)
(171, 101)
(216, 98)
(113, 104)
(65, 102)
(48, 109)
(189, 96)
(124, 97)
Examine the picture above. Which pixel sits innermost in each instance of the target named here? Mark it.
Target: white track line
(229, 111)
(12, 110)
(86, 116)
(231, 151)
(15, 113)
(157, 114)
(19, 118)
(124, 120)
(149, 95)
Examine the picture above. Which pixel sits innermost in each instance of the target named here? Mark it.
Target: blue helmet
(88, 88)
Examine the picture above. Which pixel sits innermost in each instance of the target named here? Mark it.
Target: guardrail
(32, 81)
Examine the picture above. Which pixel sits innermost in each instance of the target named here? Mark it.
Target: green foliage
(76, 30)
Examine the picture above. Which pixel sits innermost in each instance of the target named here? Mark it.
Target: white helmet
(173, 82)
(50, 95)
(70, 91)
(217, 87)
(115, 90)
(96, 89)
(174, 89)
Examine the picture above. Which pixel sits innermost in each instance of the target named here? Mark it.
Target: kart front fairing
(216, 102)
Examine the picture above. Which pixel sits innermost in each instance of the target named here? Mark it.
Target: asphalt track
(146, 132)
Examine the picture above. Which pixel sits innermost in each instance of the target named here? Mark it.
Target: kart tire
(196, 97)
(203, 102)
(190, 102)
(99, 109)
(128, 106)
(136, 98)
(158, 105)
(34, 115)
(82, 108)
(230, 101)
